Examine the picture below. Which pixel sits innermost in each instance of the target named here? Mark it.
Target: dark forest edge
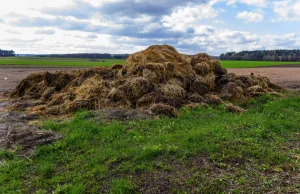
(11, 53)
(264, 55)
(88, 56)
(7, 53)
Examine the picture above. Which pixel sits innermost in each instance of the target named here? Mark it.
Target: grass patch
(202, 151)
(57, 62)
(76, 62)
(248, 64)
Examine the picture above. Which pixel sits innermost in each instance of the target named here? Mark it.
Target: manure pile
(158, 79)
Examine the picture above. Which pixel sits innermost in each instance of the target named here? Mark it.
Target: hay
(163, 109)
(92, 88)
(213, 99)
(158, 79)
(116, 67)
(236, 109)
(154, 72)
(136, 87)
(147, 100)
(172, 90)
(196, 98)
(194, 106)
(232, 92)
(199, 86)
(202, 68)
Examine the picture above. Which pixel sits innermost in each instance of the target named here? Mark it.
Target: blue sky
(127, 26)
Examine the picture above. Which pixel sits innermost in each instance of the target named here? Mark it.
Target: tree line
(7, 53)
(264, 55)
(88, 56)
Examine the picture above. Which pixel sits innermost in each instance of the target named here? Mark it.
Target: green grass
(72, 62)
(56, 62)
(247, 64)
(202, 151)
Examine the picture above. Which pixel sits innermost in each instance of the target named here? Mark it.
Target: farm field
(253, 64)
(77, 62)
(204, 149)
(57, 62)
(150, 97)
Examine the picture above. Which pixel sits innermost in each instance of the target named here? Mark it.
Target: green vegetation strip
(57, 62)
(248, 64)
(77, 62)
(202, 151)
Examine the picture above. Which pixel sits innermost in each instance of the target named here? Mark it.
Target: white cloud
(92, 36)
(126, 26)
(45, 32)
(218, 22)
(287, 9)
(280, 42)
(250, 16)
(257, 3)
(184, 17)
(216, 41)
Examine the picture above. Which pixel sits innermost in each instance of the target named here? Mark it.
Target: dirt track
(285, 76)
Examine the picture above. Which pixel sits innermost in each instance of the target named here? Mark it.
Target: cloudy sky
(126, 26)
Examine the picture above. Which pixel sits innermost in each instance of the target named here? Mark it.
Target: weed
(122, 186)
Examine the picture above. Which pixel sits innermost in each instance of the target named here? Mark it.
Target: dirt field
(285, 76)
(10, 77)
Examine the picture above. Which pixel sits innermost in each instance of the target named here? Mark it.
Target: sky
(128, 26)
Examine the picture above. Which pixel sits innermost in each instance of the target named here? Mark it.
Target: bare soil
(17, 135)
(10, 77)
(285, 76)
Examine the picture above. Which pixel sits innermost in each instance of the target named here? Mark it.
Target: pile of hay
(158, 79)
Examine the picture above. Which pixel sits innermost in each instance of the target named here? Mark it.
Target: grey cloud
(129, 8)
(12, 31)
(65, 24)
(24, 41)
(125, 30)
(46, 32)
(191, 48)
(21, 43)
(143, 41)
(92, 36)
(135, 31)
(133, 8)
(79, 9)
(96, 48)
(283, 41)
(239, 38)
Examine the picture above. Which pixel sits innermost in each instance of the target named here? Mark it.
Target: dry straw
(158, 79)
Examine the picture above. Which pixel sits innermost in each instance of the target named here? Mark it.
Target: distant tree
(7, 53)
(264, 55)
(88, 56)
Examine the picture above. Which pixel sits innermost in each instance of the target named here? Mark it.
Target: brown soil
(17, 73)
(17, 135)
(285, 76)
(199, 174)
